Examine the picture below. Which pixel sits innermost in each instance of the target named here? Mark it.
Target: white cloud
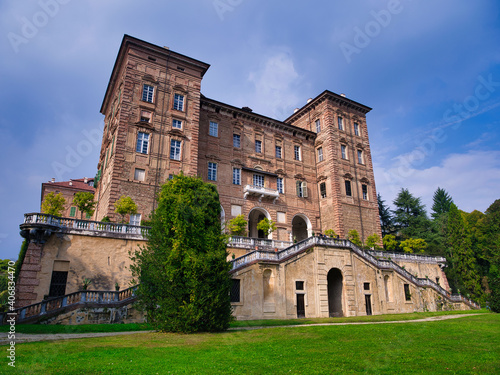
(472, 179)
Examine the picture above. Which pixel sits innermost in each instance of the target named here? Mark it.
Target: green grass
(83, 328)
(468, 345)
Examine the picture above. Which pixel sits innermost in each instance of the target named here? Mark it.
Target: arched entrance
(334, 280)
(301, 227)
(256, 215)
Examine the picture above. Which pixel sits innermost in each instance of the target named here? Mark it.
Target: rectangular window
(142, 143)
(135, 219)
(320, 154)
(356, 128)
(348, 191)
(301, 189)
(364, 189)
(296, 151)
(278, 152)
(176, 124)
(343, 151)
(236, 140)
(213, 129)
(407, 292)
(341, 123)
(139, 174)
(234, 294)
(360, 157)
(87, 216)
(58, 283)
(179, 102)
(147, 93)
(366, 286)
(258, 180)
(279, 185)
(258, 147)
(145, 116)
(175, 149)
(322, 190)
(72, 212)
(318, 126)
(299, 285)
(212, 171)
(237, 176)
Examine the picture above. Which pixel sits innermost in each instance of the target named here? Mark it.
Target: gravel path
(27, 337)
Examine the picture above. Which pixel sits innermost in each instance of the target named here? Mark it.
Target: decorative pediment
(364, 180)
(299, 176)
(280, 172)
(237, 162)
(143, 125)
(348, 176)
(176, 133)
(360, 146)
(321, 178)
(212, 157)
(342, 140)
(149, 78)
(180, 88)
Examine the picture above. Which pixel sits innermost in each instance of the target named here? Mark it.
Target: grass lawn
(469, 345)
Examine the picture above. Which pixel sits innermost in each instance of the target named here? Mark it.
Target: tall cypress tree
(385, 216)
(442, 203)
(410, 216)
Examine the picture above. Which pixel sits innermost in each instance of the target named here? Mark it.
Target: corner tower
(345, 179)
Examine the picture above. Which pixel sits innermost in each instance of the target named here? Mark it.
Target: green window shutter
(72, 212)
(87, 216)
(112, 145)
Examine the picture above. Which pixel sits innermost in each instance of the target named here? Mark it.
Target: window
(170, 177)
(356, 128)
(279, 185)
(302, 189)
(212, 171)
(234, 294)
(322, 190)
(299, 285)
(72, 212)
(348, 191)
(179, 102)
(258, 147)
(139, 174)
(407, 292)
(364, 189)
(320, 154)
(135, 219)
(296, 151)
(237, 176)
(278, 152)
(147, 93)
(176, 124)
(343, 151)
(58, 283)
(87, 216)
(175, 149)
(213, 129)
(318, 126)
(236, 140)
(142, 143)
(341, 123)
(366, 286)
(145, 116)
(258, 180)
(360, 157)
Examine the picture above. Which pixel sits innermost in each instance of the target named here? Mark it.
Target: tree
(386, 221)
(330, 233)
(84, 201)
(442, 203)
(353, 236)
(53, 204)
(125, 206)
(390, 242)
(410, 216)
(238, 226)
(373, 241)
(413, 245)
(183, 272)
(267, 226)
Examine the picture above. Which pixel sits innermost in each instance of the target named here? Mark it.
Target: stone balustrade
(252, 243)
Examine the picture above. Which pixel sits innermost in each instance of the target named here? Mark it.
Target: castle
(310, 173)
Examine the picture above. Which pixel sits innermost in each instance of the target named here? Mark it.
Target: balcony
(261, 192)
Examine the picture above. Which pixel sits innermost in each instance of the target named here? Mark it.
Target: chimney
(309, 100)
(52, 180)
(295, 110)
(85, 180)
(70, 182)
(342, 95)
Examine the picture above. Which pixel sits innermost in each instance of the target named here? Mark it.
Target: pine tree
(442, 203)
(386, 222)
(410, 215)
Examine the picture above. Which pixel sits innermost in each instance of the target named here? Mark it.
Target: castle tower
(151, 110)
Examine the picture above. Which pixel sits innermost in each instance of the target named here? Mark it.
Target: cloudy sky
(429, 69)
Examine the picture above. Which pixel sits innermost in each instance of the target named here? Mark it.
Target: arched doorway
(256, 215)
(334, 280)
(301, 227)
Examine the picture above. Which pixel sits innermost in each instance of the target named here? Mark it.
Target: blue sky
(430, 70)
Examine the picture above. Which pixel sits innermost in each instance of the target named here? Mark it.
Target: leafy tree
(413, 245)
(183, 272)
(386, 221)
(125, 206)
(410, 215)
(238, 226)
(353, 236)
(53, 204)
(489, 251)
(390, 242)
(267, 226)
(373, 241)
(330, 233)
(442, 203)
(84, 201)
